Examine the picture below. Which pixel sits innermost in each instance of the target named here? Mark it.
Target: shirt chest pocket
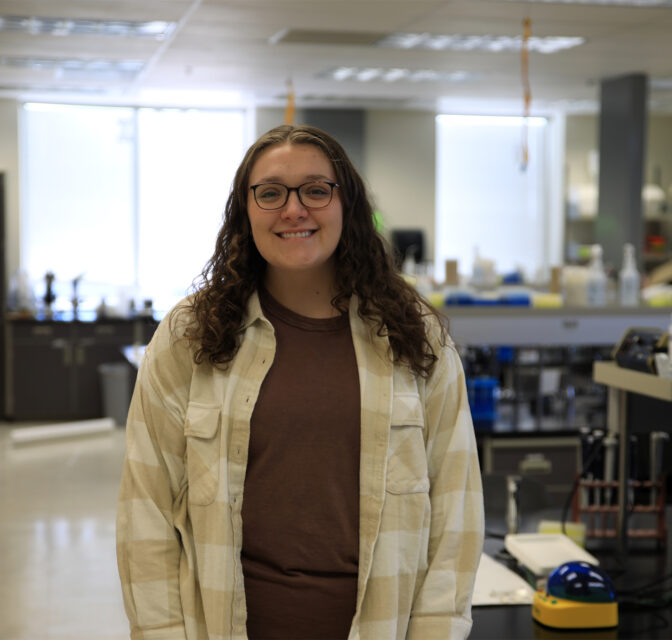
(202, 429)
(406, 455)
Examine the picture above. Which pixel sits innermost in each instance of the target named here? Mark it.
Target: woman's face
(295, 237)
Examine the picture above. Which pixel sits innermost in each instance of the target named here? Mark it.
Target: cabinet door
(96, 344)
(40, 384)
(147, 328)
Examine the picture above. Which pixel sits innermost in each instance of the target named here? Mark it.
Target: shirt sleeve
(148, 545)
(442, 606)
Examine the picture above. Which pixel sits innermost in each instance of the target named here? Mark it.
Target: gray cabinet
(51, 368)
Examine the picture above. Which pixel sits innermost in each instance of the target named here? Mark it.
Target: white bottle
(596, 282)
(628, 278)
(477, 270)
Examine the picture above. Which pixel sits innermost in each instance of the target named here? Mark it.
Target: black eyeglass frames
(274, 195)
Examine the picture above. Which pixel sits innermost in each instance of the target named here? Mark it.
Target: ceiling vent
(344, 38)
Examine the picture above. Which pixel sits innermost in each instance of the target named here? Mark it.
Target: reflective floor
(57, 544)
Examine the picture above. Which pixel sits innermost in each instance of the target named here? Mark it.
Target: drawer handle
(570, 324)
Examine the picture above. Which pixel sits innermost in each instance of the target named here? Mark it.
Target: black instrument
(637, 348)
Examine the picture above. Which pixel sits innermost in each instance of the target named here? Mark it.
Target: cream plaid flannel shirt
(179, 525)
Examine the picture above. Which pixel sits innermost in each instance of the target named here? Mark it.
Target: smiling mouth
(297, 234)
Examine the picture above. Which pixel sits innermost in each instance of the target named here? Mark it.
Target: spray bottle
(596, 282)
(628, 278)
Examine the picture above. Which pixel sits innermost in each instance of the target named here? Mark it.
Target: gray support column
(623, 103)
(346, 125)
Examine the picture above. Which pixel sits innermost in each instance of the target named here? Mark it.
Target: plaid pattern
(179, 525)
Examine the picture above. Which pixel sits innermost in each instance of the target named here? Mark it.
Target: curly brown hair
(364, 266)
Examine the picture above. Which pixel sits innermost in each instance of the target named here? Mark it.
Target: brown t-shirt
(301, 497)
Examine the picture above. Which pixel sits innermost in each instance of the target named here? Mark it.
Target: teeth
(297, 234)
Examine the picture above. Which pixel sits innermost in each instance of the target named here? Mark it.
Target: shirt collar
(364, 327)
(253, 312)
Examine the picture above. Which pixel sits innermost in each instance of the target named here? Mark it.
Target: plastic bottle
(408, 266)
(477, 270)
(596, 282)
(628, 278)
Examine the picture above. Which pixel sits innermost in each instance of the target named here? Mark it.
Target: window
(487, 203)
(131, 199)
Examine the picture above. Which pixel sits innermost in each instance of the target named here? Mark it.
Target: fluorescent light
(425, 75)
(395, 74)
(156, 29)
(369, 73)
(392, 75)
(343, 73)
(511, 121)
(495, 44)
(108, 69)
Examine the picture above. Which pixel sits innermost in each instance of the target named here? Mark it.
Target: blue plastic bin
(482, 392)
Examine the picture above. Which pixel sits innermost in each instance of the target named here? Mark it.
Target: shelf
(584, 219)
(609, 373)
(475, 325)
(656, 257)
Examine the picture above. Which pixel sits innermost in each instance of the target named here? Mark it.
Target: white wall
(9, 165)
(583, 138)
(399, 167)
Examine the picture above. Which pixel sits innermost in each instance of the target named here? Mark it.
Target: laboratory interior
(519, 157)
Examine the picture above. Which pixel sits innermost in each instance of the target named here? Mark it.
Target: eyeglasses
(273, 195)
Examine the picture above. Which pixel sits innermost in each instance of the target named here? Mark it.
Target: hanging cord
(527, 93)
(289, 108)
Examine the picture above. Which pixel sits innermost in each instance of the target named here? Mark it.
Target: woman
(300, 459)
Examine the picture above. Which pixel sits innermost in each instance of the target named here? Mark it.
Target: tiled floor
(58, 576)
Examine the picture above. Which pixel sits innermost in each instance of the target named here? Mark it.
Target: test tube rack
(600, 515)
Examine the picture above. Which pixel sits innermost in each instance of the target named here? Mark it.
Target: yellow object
(575, 531)
(546, 300)
(569, 614)
(436, 298)
(660, 300)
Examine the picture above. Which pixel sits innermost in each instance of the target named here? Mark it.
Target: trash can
(115, 383)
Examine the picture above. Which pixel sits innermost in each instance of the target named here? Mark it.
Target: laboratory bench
(644, 564)
(51, 366)
(631, 562)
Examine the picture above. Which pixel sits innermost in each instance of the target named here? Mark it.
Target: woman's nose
(294, 207)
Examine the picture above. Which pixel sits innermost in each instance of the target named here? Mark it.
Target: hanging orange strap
(289, 108)
(527, 94)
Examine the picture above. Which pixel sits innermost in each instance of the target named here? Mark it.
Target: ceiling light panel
(395, 74)
(63, 68)
(154, 29)
(493, 44)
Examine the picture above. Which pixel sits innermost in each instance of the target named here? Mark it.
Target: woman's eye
(268, 194)
(316, 190)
